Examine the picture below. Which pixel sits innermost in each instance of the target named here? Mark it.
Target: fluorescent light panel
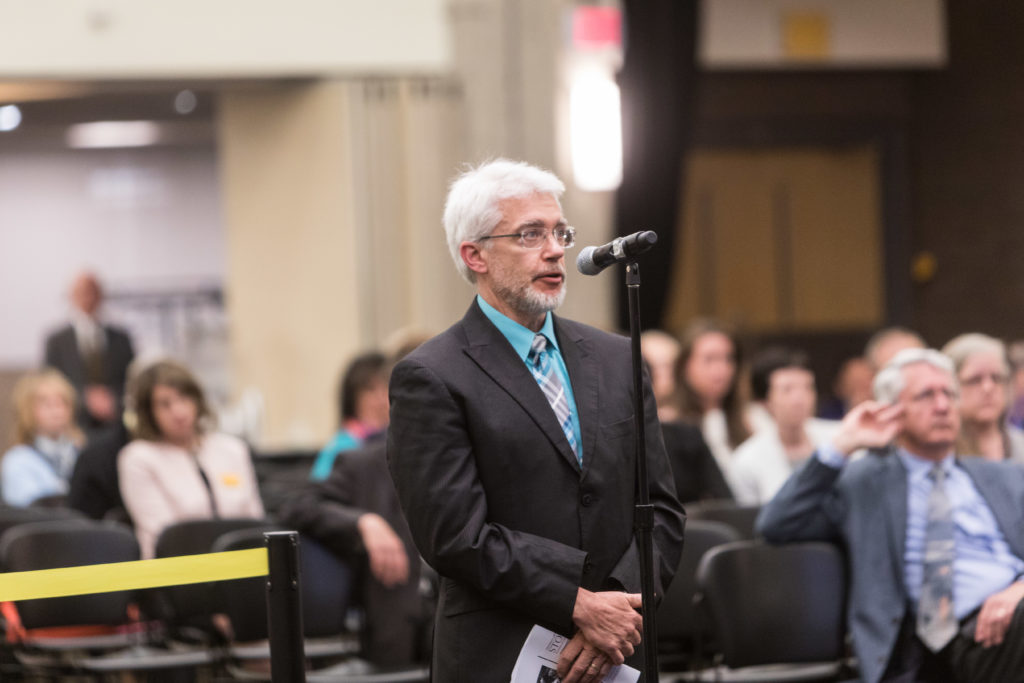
(111, 134)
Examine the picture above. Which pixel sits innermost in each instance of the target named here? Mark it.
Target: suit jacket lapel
(74, 364)
(494, 355)
(893, 479)
(1000, 501)
(583, 375)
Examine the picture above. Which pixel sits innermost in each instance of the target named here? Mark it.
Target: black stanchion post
(284, 608)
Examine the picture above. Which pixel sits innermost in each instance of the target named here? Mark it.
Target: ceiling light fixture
(110, 134)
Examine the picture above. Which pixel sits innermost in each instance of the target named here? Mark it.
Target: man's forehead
(539, 206)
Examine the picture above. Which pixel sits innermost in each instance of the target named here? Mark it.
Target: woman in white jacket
(176, 468)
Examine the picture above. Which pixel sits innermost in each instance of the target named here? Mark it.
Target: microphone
(592, 260)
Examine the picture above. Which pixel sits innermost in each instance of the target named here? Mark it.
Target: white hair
(889, 381)
(472, 212)
(960, 348)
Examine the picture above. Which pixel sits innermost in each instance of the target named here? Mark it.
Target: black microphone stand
(643, 520)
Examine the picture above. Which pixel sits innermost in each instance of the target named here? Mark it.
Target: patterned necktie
(551, 385)
(936, 623)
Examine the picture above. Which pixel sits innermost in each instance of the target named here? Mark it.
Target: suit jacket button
(587, 499)
(588, 567)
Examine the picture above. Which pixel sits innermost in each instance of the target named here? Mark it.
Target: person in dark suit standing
(511, 447)
(93, 356)
(934, 542)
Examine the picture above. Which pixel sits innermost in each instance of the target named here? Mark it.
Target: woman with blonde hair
(177, 467)
(39, 465)
(983, 373)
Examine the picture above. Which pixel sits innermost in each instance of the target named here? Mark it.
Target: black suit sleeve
(434, 467)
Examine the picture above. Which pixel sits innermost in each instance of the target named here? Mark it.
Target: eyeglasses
(997, 378)
(535, 238)
(931, 395)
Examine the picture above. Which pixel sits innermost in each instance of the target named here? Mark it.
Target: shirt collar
(518, 336)
(918, 467)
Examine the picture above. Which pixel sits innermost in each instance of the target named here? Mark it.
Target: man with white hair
(511, 446)
(934, 542)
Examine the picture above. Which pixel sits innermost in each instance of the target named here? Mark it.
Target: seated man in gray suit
(934, 541)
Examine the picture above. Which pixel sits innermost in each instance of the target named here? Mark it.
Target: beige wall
(291, 279)
(333, 196)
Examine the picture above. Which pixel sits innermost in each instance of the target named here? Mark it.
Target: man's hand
(581, 662)
(608, 620)
(388, 560)
(997, 613)
(99, 402)
(868, 425)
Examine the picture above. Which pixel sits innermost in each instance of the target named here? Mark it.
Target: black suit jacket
(63, 354)
(496, 500)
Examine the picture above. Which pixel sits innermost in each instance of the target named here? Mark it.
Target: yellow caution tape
(120, 576)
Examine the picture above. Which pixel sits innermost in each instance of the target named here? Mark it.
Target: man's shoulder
(874, 466)
(116, 331)
(1007, 471)
(438, 350)
(574, 330)
(58, 334)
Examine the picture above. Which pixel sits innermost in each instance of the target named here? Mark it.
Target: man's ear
(473, 256)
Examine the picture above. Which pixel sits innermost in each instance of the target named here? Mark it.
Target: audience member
(934, 542)
(176, 468)
(1015, 353)
(356, 514)
(94, 356)
(694, 469)
(363, 403)
(887, 342)
(783, 379)
(94, 488)
(661, 351)
(983, 373)
(852, 386)
(707, 389)
(40, 464)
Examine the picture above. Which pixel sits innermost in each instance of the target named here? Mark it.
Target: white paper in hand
(539, 658)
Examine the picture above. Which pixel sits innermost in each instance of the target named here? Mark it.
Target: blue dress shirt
(521, 338)
(983, 563)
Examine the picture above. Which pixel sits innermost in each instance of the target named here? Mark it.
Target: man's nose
(552, 247)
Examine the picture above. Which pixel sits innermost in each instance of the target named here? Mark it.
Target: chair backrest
(676, 614)
(13, 516)
(69, 543)
(325, 581)
(196, 602)
(740, 517)
(280, 473)
(775, 604)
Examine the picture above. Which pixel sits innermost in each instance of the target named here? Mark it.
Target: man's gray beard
(529, 301)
